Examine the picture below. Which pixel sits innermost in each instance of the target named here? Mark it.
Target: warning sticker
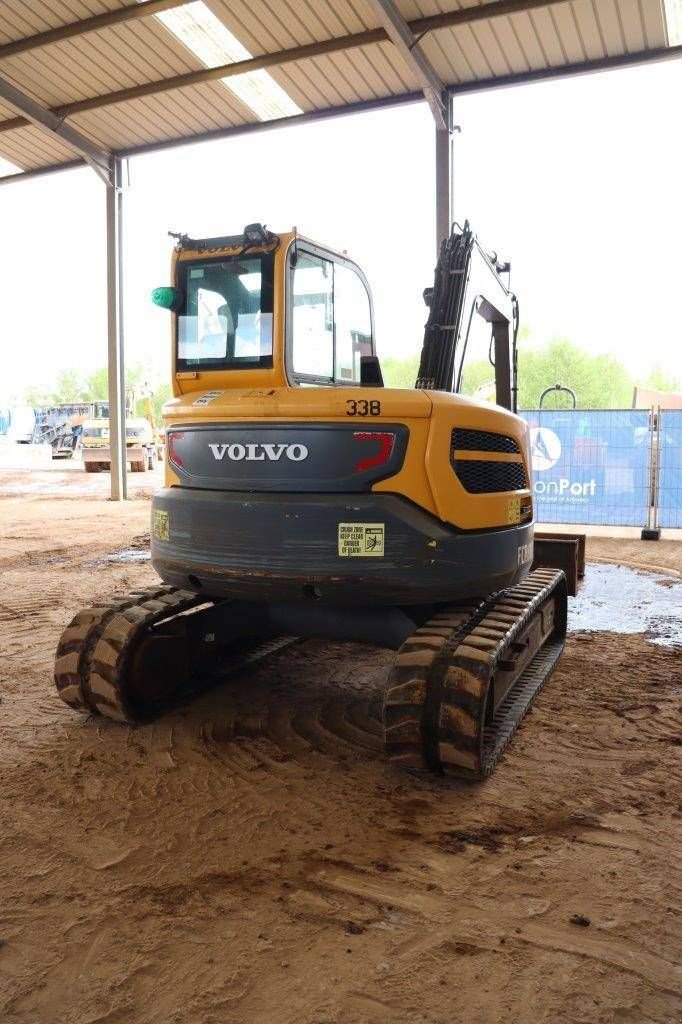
(161, 524)
(362, 540)
(207, 397)
(514, 510)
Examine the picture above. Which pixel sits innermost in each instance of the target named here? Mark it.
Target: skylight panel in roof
(204, 34)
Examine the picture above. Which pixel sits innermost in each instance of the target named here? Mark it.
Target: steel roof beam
(407, 45)
(47, 121)
(78, 28)
(448, 19)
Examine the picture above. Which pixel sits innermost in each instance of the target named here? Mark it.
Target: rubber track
(73, 660)
(92, 655)
(435, 703)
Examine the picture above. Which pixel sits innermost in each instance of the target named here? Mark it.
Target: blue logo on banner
(670, 468)
(590, 466)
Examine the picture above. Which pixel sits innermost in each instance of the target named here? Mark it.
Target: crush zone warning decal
(362, 540)
(161, 524)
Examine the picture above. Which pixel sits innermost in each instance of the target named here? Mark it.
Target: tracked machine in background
(305, 499)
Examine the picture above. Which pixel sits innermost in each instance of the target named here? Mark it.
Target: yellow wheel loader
(305, 499)
(140, 441)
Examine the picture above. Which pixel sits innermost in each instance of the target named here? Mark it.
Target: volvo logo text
(259, 452)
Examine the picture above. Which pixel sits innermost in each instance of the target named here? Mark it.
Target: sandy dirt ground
(252, 859)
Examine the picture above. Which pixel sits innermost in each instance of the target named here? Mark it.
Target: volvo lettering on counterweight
(259, 452)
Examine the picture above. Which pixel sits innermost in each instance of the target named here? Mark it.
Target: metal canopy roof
(116, 74)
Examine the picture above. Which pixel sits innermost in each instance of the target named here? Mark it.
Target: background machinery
(141, 436)
(303, 499)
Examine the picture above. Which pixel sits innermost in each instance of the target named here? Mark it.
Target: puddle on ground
(616, 599)
(126, 556)
(129, 555)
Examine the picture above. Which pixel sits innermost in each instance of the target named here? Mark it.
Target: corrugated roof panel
(336, 67)
(325, 21)
(257, 35)
(508, 42)
(30, 148)
(19, 19)
(391, 67)
(6, 111)
(632, 25)
(488, 43)
(192, 111)
(654, 24)
(264, 27)
(299, 84)
(563, 17)
(443, 50)
(547, 37)
(589, 29)
(101, 62)
(610, 27)
(327, 88)
(527, 36)
(475, 64)
(405, 81)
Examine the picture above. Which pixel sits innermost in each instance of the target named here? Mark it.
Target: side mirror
(370, 372)
(167, 298)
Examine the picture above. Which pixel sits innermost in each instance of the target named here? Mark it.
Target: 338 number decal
(361, 407)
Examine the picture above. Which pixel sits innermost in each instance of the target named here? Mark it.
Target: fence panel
(591, 466)
(669, 443)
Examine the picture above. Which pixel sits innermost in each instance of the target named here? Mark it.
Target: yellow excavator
(304, 499)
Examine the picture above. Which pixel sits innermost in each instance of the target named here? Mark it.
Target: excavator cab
(267, 310)
(304, 498)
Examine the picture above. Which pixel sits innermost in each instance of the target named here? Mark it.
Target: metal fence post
(656, 462)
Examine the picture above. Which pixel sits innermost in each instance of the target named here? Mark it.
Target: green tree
(159, 397)
(71, 386)
(599, 382)
(68, 387)
(661, 380)
(400, 373)
(96, 386)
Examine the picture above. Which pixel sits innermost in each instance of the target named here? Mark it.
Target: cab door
(330, 318)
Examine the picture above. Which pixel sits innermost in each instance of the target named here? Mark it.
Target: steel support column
(115, 364)
(444, 177)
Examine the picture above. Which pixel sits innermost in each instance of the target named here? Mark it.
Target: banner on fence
(590, 466)
(669, 443)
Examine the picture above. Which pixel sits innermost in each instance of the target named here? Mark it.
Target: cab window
(330, 322)
(225, 322)
(353, 323)
(312, 311)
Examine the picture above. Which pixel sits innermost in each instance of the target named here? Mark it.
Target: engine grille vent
(483, 441)
(480, 477)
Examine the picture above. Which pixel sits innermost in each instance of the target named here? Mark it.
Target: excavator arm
(469, 283)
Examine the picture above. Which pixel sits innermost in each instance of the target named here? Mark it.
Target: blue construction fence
(607, 467)
(668, 451)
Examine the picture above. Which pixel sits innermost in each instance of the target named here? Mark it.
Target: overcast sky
(577, 182)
